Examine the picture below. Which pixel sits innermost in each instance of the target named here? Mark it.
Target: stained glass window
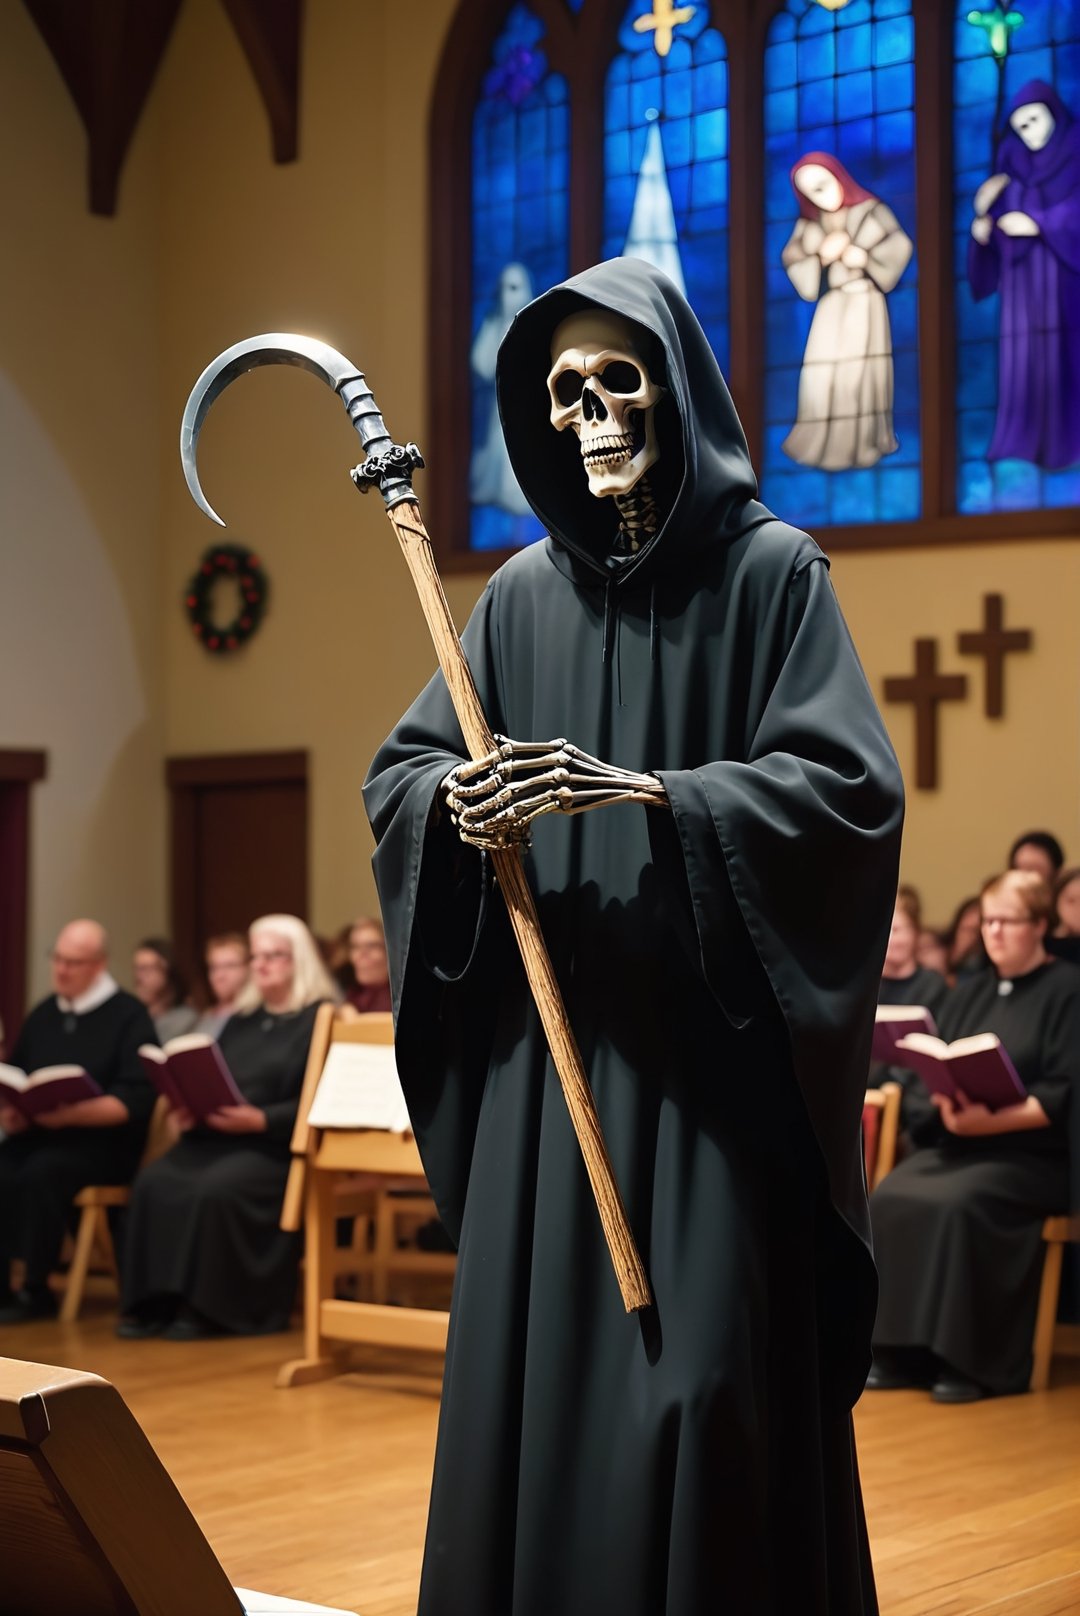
(1016, 223)
(666, 156)
(520, 230)
(842, 435)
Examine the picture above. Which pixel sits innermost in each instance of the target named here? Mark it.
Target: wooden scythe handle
(629, 1269)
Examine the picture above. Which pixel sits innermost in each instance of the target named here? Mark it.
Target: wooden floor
(321, 1492)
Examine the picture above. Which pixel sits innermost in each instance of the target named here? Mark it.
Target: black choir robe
(719, 962)
(957, 1226)
(43, 1169)
(202, 1227)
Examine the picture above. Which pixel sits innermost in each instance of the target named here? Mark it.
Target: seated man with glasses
(87, 1021)
(958, 1225)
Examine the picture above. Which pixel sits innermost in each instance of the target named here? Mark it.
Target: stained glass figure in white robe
(846, 252)
(491, 479)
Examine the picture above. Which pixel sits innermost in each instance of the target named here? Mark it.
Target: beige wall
(81, 672)
(107, 324)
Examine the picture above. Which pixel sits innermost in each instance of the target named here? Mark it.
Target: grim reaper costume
(719, 956)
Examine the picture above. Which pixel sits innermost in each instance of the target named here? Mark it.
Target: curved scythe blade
(275, 348)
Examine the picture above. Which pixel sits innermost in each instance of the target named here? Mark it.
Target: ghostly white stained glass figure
(846, 251)
(491, 478)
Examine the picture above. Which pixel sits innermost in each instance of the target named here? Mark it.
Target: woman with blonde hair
(203, 1254)
(958, 1225)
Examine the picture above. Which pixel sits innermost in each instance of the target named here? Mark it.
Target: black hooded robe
(720, 965)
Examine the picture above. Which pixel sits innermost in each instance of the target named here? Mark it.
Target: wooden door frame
(19, 770)
(185, 777)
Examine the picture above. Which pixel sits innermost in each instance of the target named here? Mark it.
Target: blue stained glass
(1045, 46)
(781, 111)
(817, 57)
(783, 65)
(894, 87)
(852, 94)
(855, 96)
(686, 93)
(853, 48)
(520, 218)
(894, 42)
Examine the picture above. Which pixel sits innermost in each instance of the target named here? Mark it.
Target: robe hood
(704, 483)
(1035, 167)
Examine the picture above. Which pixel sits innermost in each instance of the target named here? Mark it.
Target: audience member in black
(1039, 852)
(964, 942)
(203, 1253)
(226, 964)
(931, 952)
(957, 1226)
(367, 982)
(905, 981)
(1065, 939)
(162, 987)
(88, 1021)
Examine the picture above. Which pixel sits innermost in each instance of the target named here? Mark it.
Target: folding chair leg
(80, 1263)
(1043, 1346)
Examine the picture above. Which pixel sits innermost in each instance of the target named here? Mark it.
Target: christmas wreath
(244, 568)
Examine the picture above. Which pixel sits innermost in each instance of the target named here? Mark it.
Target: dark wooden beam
(108, 52)
(269, 34)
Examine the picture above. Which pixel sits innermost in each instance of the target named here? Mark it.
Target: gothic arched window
(812, 170)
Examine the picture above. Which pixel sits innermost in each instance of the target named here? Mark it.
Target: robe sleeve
(443, 948)
(125, 1079)
(1059, 226)
(791, 855)
(888, 248)
(1058, 1083)
(803, 267)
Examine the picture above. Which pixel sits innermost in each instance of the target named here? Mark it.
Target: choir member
(957, 1226)
(203, 1251)
(226, 964)
(1039, 851)
(86, 1021)
(369, 987)
(159, 982)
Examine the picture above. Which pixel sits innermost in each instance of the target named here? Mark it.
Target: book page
(360, 1088)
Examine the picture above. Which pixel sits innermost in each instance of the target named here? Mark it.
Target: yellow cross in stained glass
(663, 19)
(999, 25)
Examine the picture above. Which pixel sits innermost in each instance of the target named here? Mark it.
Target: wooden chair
(89, 1518)
(94, 1203)
(881, 1129)
(1049, 1335)
(376, 1177)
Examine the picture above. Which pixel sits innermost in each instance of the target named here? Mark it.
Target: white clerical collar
(102, 988)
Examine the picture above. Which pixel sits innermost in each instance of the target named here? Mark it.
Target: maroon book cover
(192, 1073)
(35, 1093)
(894, 1021)
(980, 1066)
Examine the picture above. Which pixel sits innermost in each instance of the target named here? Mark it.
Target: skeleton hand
(1017, 224)
(982, 230)
(494, 801)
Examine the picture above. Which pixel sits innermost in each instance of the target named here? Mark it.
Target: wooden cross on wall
(994, 642)
(925, 689)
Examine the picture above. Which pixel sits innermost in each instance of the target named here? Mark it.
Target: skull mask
(601, 388)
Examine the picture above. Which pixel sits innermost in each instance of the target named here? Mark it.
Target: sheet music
(360, 1088)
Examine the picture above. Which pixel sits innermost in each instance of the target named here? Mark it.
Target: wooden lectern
(90, 1522)
(337, 1172)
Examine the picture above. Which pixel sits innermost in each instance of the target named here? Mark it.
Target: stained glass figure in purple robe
(846, 252)
(1026, 246)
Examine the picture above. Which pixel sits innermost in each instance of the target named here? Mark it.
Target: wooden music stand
(90, 1521)
(325, 1162)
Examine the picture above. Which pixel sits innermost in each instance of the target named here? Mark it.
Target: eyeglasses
(270, 954)
(70, 959)
(367, 948)
(1005, 920)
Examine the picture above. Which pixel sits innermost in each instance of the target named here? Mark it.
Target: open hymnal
(979, 1066)
(360, 1088)
(192, 1073)
(893, 1021)
(34, 1093)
